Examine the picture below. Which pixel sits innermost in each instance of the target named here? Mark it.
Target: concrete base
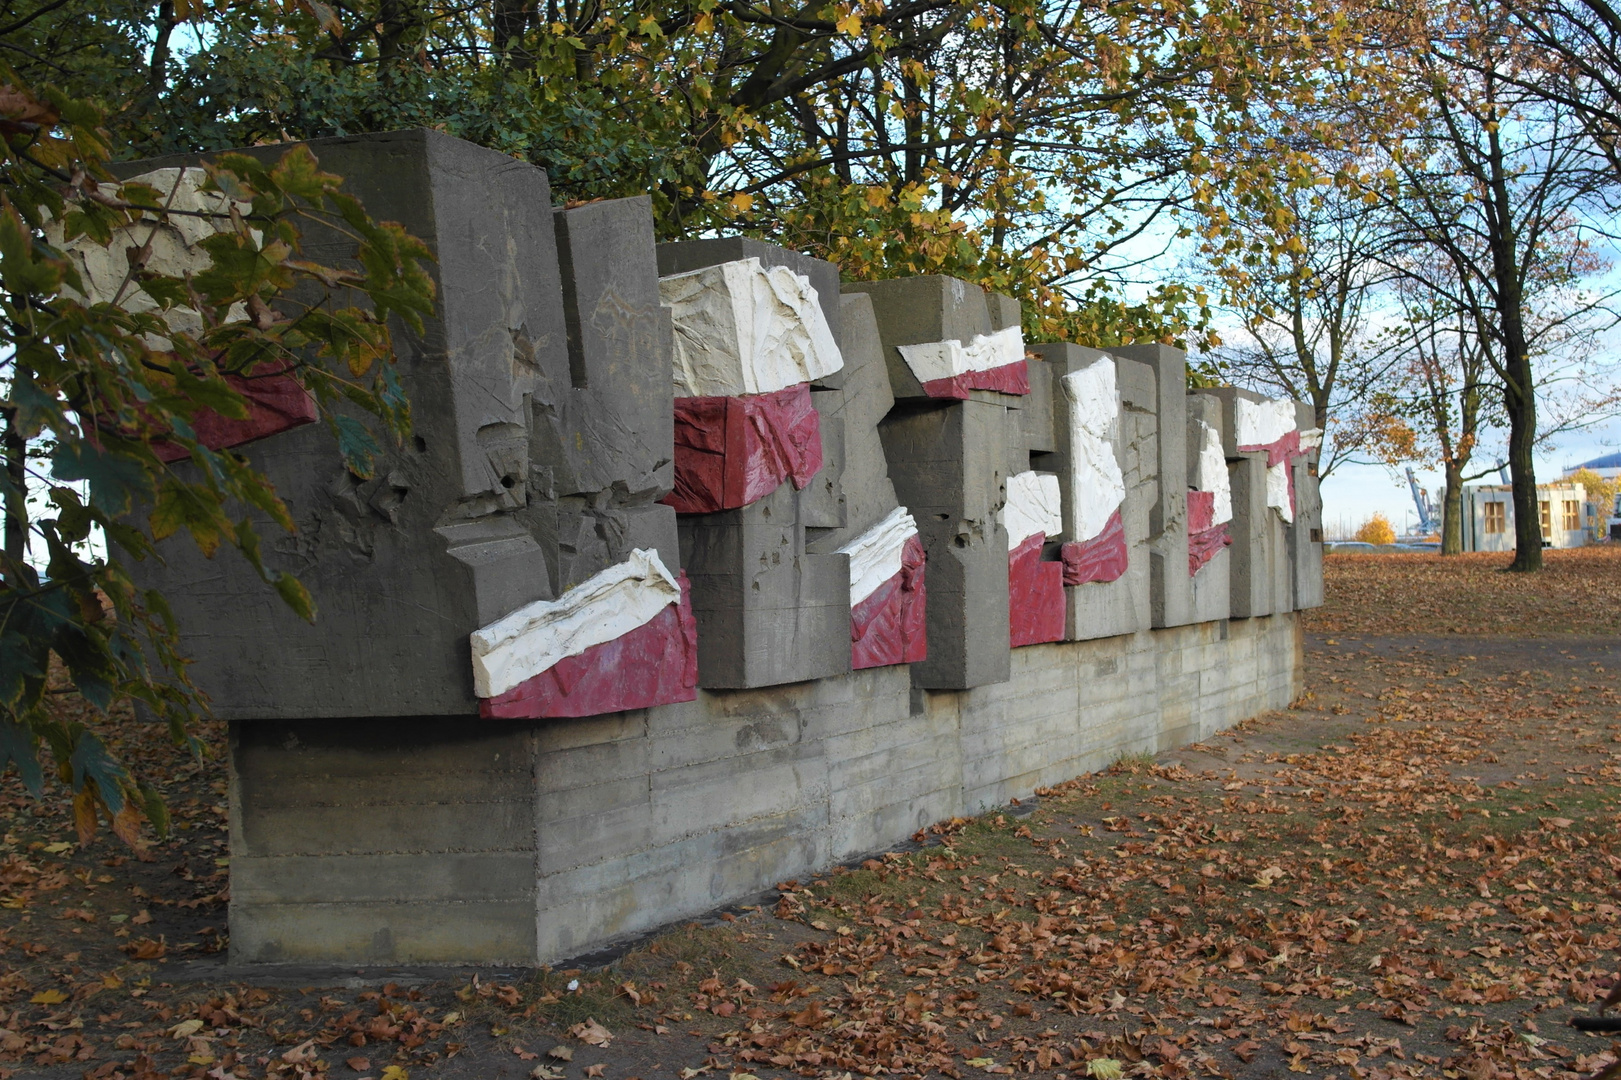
(458, 841)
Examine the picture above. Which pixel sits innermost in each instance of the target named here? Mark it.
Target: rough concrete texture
(475, 514)
(1105, 608)
(1211, 585)
(861, 402)
(685, 255)
(921, 310)
(1170, 588)
(1306, 534)
(949, 462)
(1250, 556)
(404, 841)
(768, 612)
(1004, 311)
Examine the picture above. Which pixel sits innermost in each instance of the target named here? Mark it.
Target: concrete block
(542, 442)
(821, 502)
(949, 465)
(1036, 411)
(1211, 585)
(768, 611)
(398, 598)
(686, 255)
(1306, 534)
(1004, 311)
(914, 311)
(864, 400)
(1107, 608)
(1171, 596)
(968, 605)
(1249, 570)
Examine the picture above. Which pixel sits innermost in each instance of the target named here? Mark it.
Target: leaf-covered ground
(1410, 873)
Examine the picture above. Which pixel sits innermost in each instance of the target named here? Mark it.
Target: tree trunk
(14, 449)
(1520, 402)
(1452, 511)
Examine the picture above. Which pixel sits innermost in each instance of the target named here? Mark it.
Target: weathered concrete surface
(1106, 608)
(768, 611)
(949, 462)
(433, 546)
(1211, 585)
(1306, 534)
(1170, 589)
(918, 310)
(427, 841)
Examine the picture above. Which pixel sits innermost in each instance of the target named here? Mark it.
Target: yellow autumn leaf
(395, 1072)
(49, 997)
(850, 24)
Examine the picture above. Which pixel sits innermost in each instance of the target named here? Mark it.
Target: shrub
(1377, 530)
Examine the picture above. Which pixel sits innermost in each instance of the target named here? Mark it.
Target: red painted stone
(1101, 559)
(1201, 510)
(276, 402)
(1203, 546)
(889, 626)
(1011, 378)
(732, 451)
(1280, 449)
(1035, 594)
(654, 664)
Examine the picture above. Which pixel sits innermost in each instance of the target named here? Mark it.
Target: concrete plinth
(439, 841)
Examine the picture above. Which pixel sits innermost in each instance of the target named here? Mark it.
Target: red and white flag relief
(1095, 485)
(1270, 425)
(949, 369)
(622, 639)
(749, 341)
(275, 400)
(1035, 588)
(1210, 500)
(887, 596)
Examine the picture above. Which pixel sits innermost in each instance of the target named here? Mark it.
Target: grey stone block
(1004, 311)
(686, 255)
(396, 602)
(821, 502)
(1250, 571)
(967, 578)
(912, 311)
(1306, 535)
(768, 611)
(1106, 608)
(1171, 590)
(1036, 412)
(542, 441)
(1211, 585)
(865, 399)
(949, 463)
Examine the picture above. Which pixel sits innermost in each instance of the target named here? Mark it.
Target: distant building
(1609, 522)
(1488, 515)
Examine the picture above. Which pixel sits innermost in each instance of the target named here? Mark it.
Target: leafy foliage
(110, 389)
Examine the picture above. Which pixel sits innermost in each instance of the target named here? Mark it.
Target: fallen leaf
(359, 1064)
(591, 1033)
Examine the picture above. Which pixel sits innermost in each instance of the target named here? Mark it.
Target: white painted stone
(875, 555)
(1311, 438)
(1096, 485)
(607, 605)
(105, 269)
(741, 328)
(1261, 423)
(1033, 506)
(1211, 472)
(1277, 490)
(948, 359)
